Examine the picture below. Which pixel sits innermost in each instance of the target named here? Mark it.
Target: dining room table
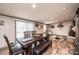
(28, 42)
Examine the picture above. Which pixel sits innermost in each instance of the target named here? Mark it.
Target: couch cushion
(38, 49)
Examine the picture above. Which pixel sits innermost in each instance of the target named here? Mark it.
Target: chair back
(8, 44)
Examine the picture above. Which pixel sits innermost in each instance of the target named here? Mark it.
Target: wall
(8, 28)
(40, 30)
(61, 31)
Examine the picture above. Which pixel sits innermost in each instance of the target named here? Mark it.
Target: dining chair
(14, 49)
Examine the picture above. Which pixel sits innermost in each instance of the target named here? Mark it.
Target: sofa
(40, 48)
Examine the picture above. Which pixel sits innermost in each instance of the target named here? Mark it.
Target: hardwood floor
(4, 52)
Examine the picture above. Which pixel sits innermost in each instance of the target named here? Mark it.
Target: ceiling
(44, 12)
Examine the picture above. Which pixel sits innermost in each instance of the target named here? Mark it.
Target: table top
(29, 42)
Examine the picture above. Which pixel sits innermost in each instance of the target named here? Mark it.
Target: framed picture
(1, 22)
(52, 26)
(36, 25)
(60, 25)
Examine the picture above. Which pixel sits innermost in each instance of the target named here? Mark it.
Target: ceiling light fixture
(64, 8)
(51, 18)
(34, 5)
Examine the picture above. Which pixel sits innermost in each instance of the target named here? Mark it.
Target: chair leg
(23, 53)
(10, 53)
(50, 44)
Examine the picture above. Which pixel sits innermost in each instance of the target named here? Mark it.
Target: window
(22, 27)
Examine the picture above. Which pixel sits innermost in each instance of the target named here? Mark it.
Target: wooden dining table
(34, 40)
(28, 43)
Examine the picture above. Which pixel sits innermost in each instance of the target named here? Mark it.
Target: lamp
(75, 29)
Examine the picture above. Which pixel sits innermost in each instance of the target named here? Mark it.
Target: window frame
(25, 21)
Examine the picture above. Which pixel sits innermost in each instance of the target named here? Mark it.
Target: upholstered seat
(16, 48)
(40, 48)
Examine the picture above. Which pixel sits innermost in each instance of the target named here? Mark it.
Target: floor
(59, 47)
(4, 51)
(62, 46)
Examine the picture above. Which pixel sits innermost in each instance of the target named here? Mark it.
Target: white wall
(8, 28)
(40, 30)
(63, 31)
